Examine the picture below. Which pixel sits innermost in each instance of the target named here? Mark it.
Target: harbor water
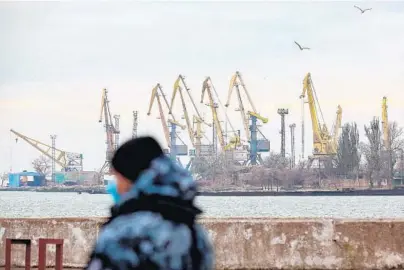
(38, 204)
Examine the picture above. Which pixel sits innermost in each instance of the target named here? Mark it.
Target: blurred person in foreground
(152, 223)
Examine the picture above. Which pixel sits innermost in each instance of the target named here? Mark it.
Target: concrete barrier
(241, 243)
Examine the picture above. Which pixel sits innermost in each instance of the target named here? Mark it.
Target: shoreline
(237, 193)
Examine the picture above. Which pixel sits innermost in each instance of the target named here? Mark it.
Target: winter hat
(134, 156)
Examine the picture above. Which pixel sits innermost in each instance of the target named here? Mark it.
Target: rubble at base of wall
(240, 243)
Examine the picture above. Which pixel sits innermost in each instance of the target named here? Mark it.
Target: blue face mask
(113, 191)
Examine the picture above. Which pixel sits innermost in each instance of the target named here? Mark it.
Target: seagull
(302, 48)
(362, 10)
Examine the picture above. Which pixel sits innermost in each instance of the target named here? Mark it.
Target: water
(36, 204)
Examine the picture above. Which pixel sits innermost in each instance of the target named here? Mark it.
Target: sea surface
(38, 204)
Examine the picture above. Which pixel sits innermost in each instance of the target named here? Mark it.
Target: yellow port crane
(385, 124)
(194, 135)
(67, 160)
(324, 144)
(111, 130)
(235, 83)
(206, 88)
(157, 93)
(251, 132)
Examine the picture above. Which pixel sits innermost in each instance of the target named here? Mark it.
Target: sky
(56, 57)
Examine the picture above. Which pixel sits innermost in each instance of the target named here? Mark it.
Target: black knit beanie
(134, 156)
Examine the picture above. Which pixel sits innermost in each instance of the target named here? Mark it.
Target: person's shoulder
(131, 226)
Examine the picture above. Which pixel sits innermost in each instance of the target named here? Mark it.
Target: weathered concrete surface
(241, 243)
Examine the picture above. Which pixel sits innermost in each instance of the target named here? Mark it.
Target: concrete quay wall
(241, 243)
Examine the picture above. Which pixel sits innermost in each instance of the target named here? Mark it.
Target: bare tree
(372, 150)
(211, 168)
(348, 155)
(276, 161)
(42, 165)
(3, 178)
(397, 142)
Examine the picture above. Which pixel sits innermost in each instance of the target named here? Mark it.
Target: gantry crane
(252, 130)
(111, 130)
(324, 144)
(385, 124)
(68, 161)
(170, 135)
(197, 119)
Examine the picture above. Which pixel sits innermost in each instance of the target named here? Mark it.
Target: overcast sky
(55, 58)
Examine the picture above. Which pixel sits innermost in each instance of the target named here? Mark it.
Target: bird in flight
(302, 48)
(362, 10)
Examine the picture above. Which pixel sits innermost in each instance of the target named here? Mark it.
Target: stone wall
(241, 243)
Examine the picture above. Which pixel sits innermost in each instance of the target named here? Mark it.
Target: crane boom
(67, 160)
(194, 136)
(235, 84)
(157, 92)
(177, 87)
(191, 132)
(156, 96)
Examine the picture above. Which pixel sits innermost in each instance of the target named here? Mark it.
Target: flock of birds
(307, 48)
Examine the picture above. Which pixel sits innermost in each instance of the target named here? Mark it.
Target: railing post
(43, 242)
(12, 241)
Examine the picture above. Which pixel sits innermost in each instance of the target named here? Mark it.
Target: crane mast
(385, 124)
(110, 130)
(116, 117)
(67, 160)
(337, 127)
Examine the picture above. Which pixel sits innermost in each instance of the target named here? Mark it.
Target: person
(152, 223)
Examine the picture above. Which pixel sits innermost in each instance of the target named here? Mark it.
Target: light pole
(53, 138)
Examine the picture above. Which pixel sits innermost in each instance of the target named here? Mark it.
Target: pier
(240, 243)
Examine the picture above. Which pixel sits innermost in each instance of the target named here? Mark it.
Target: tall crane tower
(282, 112)
(134, 127)
(387, 139)
(116, 118)
(111, 131)
(385, 124)
(292, 145)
